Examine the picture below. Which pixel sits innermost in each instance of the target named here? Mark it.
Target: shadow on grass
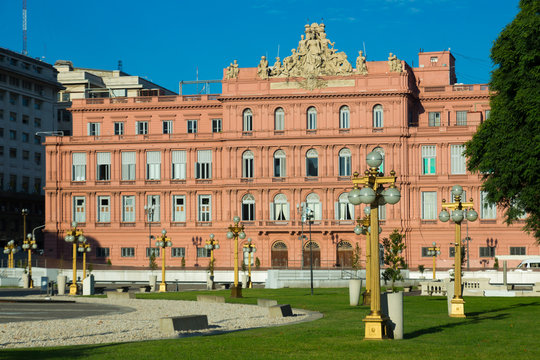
(82, 351)
(511, 307)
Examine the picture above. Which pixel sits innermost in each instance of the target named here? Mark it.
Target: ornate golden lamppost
(434, 251)
(73, 236)
(249, 248)
(212, 244)
(236, 231)
(361, 228)
(163, 243)
(10, 249)
(374, 194)
(29, 244)
(457, 304)
(84, 247)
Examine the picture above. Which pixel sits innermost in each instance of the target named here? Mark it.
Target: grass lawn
(495, 328)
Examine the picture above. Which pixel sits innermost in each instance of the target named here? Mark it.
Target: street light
(361, 228)
(73, 236)
(29, 244)
(434, 251)
(248, 249)
(211, 245)
(149, 211)
(84, 247)
(457, 307)
(236, 231)
(163, 243)
(196, 241)
(374, 194)
(300, 208)
(307, 215)
(10, 249)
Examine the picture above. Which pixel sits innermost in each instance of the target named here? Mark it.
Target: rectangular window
(247, 166)
(79, 167)
(279, 165)
(425, 251)
(128, 208)
(25, 119)
(103, 166)
(13, 116)
(487, 210)
(203, 252)
(13, 182)
(128, 165)
(461, 118)
(25, 183)
(37, 139)
(312, 120)
(25, 154)
(434, 119)
(25, 101)
(153, 201)
(216, 126)
(205, 208)
(25, 137)
(429, 159)
(153, 165)
(37, 122)
(12, 135)
(192, 126)
(13, 99)
(457, 159)
(103, 252)
(141, 128)
(178, 171)
(79, 209)
(104, 209)
(118, 128)
(37, 185)
(382, 212)
(152, 251)
(203, 166)
(178, 252)
(429, 205)
(487, 251)
(13, 153)
(127, 252)
(452, 251)
(167, 127)
(94, 129)
(517, 250)
(344, 210)
(179, 208)
(488, 112)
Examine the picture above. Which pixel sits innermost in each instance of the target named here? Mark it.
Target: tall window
(247, 164)
(167, 127)
(216, 125)
(153, 165)
(429, 205)
(380, 150)
(279, 209)
(79, 209)
(178, 171)
(434, 118)
(205, 208)
(429, 157)
(128, 165)
(378, 116)
(312, 163)
(488, 112)
(461, 118)
(94, 129)
(344, 209)
(344, 117)
(487, 210)
(279, 119)
(312, 118)
(153, 200)
(457, 158)
(192, 126)
(382, 212)
(118, 128)
(103, 166)
(247, 124)
(248, 207)
(104, 209)
(280, 164)
(203, 166)
(141, 128)
(179, 208)
(313, 202)
(79, 167)
(345, 162)
(128, 208)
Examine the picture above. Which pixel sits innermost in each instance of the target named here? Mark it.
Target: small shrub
(421, 268)
(257, 263)
(183, 262)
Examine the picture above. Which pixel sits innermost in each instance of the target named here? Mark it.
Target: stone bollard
(26, 281)
(152, 282)
(61, 282)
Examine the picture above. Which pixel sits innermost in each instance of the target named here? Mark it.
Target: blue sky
(167, 40)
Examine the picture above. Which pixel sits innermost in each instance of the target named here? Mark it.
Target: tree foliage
(506, 148)
(393, 258)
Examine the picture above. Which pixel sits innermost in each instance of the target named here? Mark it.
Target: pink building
(275, 137)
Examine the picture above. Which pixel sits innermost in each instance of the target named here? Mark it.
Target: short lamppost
(149, 210)
(361, 228)
(73, 236)
(249, 248)
(301, 208)
(212, 244)
(29, 244)
(374, 194)
(84, 247)
(196, 241)
(457, 307)
(163, 242)
(24, 213)
(307, 215)
(434, 251)
(236, 231)
(10, 249)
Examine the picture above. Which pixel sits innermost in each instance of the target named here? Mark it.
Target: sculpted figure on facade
(361, 66)
(277, 69)
(232, 71)
(394, 64)
(262, 69)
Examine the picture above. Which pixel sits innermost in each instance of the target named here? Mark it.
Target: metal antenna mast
(24, 51)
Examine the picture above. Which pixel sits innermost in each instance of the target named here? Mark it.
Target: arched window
(279, 255)
(279, 119)
(279, 209)
(247, 164)
(248, 207)
(378, 121)
(380, 150)
(280, 164)
(312, 118)
(344, 117)
(248, 120)
(313, 202)
(312, 163)
(344, 209)
(345, 162)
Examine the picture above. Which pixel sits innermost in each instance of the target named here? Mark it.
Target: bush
(393, 248)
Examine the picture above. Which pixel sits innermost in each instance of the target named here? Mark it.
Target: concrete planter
(61, 284)
(392, 306)
(355, 285)
(152, 282)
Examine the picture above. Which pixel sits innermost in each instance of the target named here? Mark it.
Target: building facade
(277, 136)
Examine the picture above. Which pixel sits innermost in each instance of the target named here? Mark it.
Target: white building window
(458, 160)
(167, 127)
(279, 209)
(153, 165)
(247, 164)
(128, 165)
(178, 252)
(280, 164)
(380, 150)
(461, 118)
(343, 209)
(203, 252)
(216, 126)
(103, 166)
(128, 208)
(382, 212)
(152, 251)
(203, 166)
(104, 209)
(312, 163)
(154, 202)
(247, 123)
(192, 126)
(279, 119)
(487, 210)
(178, 171)
(127, 252)
(434, 118)
(141, 128)
(248, 207)
(205, 208)
(344, 162)
(312, 118)
(429, 159)
(94, 129)
(79, 209)
(313, 202)
(179, 208)
(344, 117)
(429, 205)
(118, 128)
(79, 167)
(378, 116)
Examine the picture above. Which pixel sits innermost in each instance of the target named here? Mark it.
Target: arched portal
(345, 254)
(316, 249)
(279, 255)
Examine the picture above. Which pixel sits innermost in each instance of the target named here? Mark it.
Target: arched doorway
(316, 255)
(279, 255)
(345, 254)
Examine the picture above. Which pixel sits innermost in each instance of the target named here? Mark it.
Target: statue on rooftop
(262, 69)
(361, 67)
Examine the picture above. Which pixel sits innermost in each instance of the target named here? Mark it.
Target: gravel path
(142, 324)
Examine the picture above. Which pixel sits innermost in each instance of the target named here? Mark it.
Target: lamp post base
(30, 283)
(366, 298)
(236, 291)
(162, 287)
(376, 327)
(457, 308)
(73, 289)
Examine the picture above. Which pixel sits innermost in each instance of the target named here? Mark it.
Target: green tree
(153, 264)
(393, 258)
(506, 148)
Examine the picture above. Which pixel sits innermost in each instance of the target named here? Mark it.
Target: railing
(463, 88)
